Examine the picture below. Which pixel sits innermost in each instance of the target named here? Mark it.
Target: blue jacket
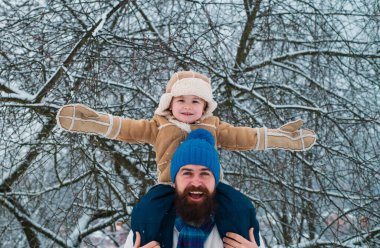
(153, 217)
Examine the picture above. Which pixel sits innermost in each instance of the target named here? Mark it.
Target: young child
(186, 105)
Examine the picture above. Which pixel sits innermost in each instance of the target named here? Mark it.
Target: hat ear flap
(164, 105)
(211, 106)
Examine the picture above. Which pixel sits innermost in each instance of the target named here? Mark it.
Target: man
(195, 219)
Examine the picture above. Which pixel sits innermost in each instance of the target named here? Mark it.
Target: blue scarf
(190, 236)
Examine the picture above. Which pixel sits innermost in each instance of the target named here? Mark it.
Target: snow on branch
(150, 24)
(17, 171)
(26, 219)
(302, 53)
(295, 187)
(320, 243)
(123, 86)
(53, 80)
(75, 236)
(83, 227)
(8, 93)
(270, 104)
(315, 82)
(103, 223)
(53, 188)
(352, 242)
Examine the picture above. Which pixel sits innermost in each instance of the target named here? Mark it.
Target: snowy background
(270, 61)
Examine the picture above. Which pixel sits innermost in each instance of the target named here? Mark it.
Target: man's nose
(196, 181)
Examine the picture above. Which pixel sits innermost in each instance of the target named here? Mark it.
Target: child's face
(187, 108)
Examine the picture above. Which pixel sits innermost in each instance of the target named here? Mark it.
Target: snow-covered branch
(16, 172)
(312, 52)
(13, 94)
(61, 70)
(52, 188)
(33, 223)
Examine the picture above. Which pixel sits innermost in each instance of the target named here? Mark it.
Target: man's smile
(196, 196)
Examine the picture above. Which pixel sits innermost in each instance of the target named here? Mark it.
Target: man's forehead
(194, 167)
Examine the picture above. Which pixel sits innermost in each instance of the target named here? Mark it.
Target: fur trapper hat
(187, 83)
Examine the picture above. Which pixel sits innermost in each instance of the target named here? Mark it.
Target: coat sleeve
(289, 137)
(80, 118)
(138, 131)
(236, 138)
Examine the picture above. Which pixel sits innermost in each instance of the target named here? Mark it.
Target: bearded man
(194, 218)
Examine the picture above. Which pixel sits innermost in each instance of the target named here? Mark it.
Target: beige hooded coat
(165, 136)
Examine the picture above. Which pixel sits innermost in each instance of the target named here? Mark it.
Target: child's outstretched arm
(288, 137)
(82, 119)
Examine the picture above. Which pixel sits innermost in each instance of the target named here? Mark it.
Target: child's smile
(187, 108)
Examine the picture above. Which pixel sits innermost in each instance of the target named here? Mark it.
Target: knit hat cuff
(197, 149)
(196, 156)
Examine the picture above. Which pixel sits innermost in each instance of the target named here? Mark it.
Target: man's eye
(205, 174)
(187, 173)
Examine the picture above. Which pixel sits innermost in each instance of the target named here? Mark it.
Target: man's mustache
(201, 189)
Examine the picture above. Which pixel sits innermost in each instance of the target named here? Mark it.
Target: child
(186, 105)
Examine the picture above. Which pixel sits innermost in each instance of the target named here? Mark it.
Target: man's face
(195, 190)
(194, 176)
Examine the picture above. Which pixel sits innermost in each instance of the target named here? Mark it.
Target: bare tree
(270, 61)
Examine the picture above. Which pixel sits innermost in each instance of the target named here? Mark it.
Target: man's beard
(195, 213)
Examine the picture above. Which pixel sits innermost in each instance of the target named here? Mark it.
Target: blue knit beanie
(197, 149)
